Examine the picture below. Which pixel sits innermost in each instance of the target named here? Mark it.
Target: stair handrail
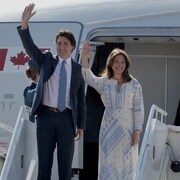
(15, 135)
(150, 127)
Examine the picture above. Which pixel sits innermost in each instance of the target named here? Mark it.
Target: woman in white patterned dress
(123, 116)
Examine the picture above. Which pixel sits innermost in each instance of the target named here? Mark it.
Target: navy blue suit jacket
(47, 64)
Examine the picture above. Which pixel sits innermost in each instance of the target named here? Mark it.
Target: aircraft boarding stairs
(21, 158)
(160, 145)
(154, 158)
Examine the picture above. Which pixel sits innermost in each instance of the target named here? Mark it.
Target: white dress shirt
(51, 87)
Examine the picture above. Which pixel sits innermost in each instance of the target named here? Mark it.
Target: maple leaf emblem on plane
(20, 59)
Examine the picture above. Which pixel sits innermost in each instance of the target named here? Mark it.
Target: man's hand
(79, 134)
(26, 15)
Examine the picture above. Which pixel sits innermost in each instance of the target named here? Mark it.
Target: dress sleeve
(92, 80)
(138, 108)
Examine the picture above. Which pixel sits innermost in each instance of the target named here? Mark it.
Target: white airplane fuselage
(149, 31)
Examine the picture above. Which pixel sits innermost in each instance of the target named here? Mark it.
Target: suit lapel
(55, 61)
(72, 75)
(50, 68)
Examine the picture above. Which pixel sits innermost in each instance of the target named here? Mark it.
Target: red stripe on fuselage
(3, 53)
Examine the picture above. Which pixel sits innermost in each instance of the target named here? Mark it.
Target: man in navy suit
(56, 127)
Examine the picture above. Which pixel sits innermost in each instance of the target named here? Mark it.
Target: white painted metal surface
(155, 157)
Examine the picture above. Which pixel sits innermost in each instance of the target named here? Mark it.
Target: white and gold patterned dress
(124, 112)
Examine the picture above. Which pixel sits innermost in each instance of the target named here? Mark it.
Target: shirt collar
(68, 60)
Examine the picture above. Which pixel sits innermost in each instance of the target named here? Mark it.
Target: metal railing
(155, 114)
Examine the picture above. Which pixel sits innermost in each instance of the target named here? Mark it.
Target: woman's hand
(86, 52)
(135, 137)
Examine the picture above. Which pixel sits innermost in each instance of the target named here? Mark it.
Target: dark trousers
(55, 128)
(90, 169)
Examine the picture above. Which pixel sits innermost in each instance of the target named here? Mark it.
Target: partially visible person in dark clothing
(95, 110)
(177, 118)
(33, 74)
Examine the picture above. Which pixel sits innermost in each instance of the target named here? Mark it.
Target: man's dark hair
(68, 34)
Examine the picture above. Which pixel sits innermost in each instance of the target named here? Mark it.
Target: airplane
(148, 30)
